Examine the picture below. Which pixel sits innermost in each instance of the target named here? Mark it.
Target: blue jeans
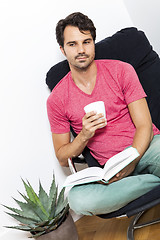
(95, 198)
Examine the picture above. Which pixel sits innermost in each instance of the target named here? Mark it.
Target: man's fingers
(117, 177)
(91, 122)
(92, 119)
(90, 114)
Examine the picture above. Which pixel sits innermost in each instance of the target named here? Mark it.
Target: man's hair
(76, 19)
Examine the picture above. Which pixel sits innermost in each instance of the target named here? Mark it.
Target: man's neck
(85, 79)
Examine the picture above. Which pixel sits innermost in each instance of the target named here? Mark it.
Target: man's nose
(81, 48)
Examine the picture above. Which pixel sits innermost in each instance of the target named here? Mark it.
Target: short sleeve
(56, 115)
(131, 86)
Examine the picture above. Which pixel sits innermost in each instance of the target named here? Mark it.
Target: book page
(109, 174)
(124, 158)
(120, 157)
(82, 181)
(84, 176)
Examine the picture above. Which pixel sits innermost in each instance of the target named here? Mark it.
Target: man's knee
(78, 203)
(88, 199)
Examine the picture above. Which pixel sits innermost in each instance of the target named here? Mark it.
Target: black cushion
(128, 45)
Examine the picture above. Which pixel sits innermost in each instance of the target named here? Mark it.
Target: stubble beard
(80, 66)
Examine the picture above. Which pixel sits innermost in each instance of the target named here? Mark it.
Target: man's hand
(124, 172)
(65, 149)
(91, 122)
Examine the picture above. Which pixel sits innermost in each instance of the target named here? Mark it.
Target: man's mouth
(82, 57)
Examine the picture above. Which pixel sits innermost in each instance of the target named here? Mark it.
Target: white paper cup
(98, 106)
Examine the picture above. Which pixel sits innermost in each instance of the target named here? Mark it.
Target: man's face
(79, 48)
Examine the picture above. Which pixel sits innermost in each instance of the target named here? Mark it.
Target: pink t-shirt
(117, 85)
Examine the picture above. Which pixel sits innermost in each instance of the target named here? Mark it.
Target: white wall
(145, 16)
(27, 51)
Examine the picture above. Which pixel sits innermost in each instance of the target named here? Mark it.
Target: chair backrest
(128, 45)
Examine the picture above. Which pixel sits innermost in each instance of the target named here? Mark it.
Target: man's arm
(141, 118)
(144, 133)
(65, 149)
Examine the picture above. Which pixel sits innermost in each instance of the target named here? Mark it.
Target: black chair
(132, 46)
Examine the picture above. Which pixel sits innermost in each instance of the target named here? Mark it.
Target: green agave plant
(42, 213)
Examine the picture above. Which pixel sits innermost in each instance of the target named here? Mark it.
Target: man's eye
(72, 44)
(86, 42)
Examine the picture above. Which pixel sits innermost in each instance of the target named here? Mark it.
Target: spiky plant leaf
(61, 203)
(37, 200)
(27, 211)
(52, 187)
(39, 229)
(29, 192)
(52, 194)
(53, 227)
(37, 234)
(33, 198)
(42, 224)
(21, 227)
(58, 217)
(21, 219)
(29, 227)
(43, 197)
(36, 209)
(15, 210)
(53, 205)
(25, 198)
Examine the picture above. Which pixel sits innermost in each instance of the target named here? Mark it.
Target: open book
(112, 167)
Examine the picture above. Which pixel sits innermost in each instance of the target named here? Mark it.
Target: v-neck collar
(92, 93)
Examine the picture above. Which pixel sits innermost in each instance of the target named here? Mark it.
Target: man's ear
(62, 50)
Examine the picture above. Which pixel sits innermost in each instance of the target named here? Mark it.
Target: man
(128, 120)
